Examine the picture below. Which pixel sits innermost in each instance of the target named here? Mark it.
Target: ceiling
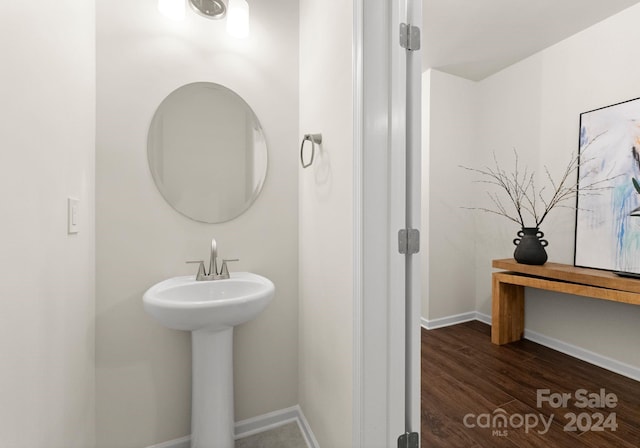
(476, 38)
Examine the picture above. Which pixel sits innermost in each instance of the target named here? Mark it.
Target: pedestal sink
(210, 310)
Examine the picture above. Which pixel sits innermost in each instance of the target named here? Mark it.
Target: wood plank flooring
(479, 395)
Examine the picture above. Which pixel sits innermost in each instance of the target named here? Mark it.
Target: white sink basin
(209, 309)
(182, 303)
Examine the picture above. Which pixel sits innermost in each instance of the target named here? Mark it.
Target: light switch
(73, 210)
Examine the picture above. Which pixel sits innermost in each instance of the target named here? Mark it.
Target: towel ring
(314, 139)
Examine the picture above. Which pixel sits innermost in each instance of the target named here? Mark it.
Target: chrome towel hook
(314, 139)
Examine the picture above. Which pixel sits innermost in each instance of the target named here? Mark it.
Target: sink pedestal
(210, 310)
(212, 413)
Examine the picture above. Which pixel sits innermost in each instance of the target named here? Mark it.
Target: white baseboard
(484, 318)
(182, 442)
(448, 321)
(311, 440)
(568, 349)
(265, 422)
(255, 425)
(586, 355)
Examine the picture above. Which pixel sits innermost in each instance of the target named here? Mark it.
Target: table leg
(507, 320)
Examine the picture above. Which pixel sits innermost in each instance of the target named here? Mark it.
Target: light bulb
(238, 18)
(172, 9)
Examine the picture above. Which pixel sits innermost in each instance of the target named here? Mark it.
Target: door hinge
(409, 37)
(409, 440)
(409, 241)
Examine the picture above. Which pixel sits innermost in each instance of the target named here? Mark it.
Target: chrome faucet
(213, 260)
(213, 273)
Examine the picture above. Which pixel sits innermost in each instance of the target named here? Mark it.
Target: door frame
(386, 393)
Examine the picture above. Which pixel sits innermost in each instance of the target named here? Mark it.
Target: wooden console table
(507, 324)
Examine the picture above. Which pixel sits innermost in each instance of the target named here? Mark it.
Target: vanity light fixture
(238, 19)
(237, 12)
(172, 9)
(211, 9)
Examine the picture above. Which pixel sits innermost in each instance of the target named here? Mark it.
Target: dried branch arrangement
(525, 200)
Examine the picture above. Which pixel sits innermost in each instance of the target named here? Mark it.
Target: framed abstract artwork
(608, 219)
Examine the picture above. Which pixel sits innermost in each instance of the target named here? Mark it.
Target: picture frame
(607, 231)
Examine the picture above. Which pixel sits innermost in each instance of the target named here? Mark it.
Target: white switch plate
(73, 214)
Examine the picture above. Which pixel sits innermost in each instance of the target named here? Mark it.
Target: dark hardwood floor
(479, 395)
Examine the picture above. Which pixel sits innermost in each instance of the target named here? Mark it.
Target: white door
(387, 160)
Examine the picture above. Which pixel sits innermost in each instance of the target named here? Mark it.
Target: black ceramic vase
(530, 246)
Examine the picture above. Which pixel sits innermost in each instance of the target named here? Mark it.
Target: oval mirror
(207, 152)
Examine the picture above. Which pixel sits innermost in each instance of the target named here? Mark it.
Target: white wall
(47, 104)
(510, 118)
(326, 222)
(449, 140)
(534, 106)
(143, 369)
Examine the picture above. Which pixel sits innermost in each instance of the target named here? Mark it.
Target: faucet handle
(224, 270)
(201, 273)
